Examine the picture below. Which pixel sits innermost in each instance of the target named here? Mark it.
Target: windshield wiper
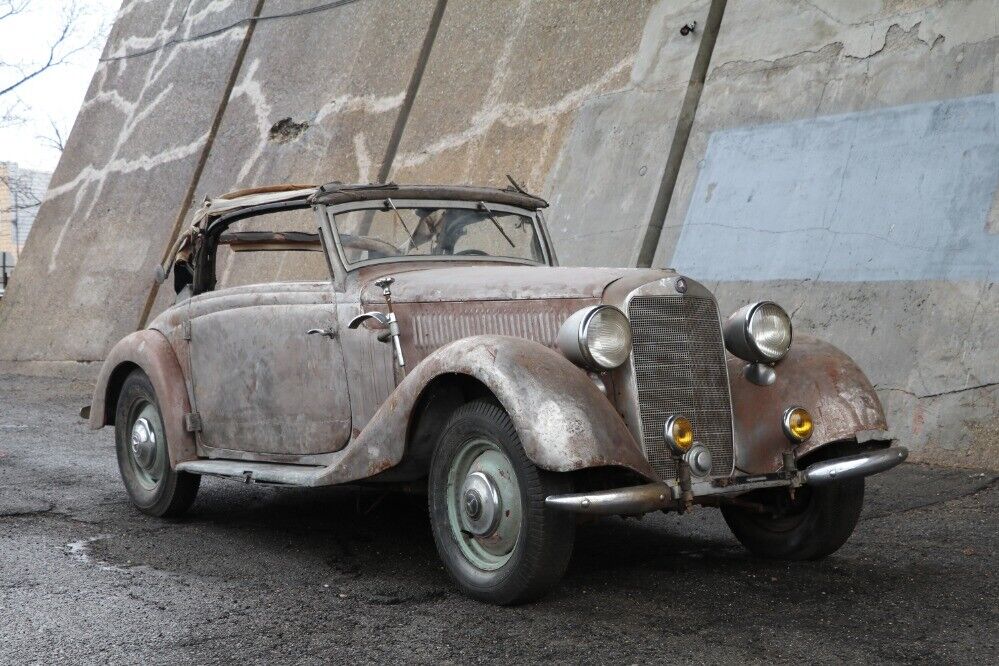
(483, 206)
(412, 241)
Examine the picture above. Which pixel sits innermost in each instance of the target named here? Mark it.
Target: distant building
(21, 193)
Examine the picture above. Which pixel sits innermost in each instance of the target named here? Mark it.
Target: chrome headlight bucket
(597, 338)
(759, 332)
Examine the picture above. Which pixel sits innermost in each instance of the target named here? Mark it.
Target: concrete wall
(844, 162)
(840, 157)
(86, 271)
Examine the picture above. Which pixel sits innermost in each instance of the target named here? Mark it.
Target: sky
(56, 95)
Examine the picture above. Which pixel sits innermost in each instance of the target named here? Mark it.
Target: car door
(371, 371)
(264, 387)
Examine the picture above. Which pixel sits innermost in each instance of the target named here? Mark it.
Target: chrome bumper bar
(851, 467)
(656, 496)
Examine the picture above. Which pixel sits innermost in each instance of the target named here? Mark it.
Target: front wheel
(143, 456)
(812, 525)
(497, 539)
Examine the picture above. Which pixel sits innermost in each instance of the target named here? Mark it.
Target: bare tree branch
(59, 51)
(11, 114)
(10, 8)
(22, 195)
(55, 139)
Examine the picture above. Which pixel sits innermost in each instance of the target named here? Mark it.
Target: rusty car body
(443, 345)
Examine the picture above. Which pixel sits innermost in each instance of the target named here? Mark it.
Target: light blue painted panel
(896, 194)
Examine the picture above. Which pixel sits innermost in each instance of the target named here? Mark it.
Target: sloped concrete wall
(520, 87)
(86, 270)
(340, 86)
(842, 160)
(576, 100)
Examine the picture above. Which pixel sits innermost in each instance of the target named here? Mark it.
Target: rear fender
(151, 351)
(564, 422)
(814, 375)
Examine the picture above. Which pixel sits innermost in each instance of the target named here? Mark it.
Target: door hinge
(186, 330)
(192, 422)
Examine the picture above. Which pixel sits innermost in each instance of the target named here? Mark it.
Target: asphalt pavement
(263, 574)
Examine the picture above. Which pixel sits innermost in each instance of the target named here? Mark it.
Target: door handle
(328, 332)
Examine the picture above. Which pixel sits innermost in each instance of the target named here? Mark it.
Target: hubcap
(147, 445)
(484, 506)
(143, 443)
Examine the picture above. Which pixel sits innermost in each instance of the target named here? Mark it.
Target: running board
(255, 472)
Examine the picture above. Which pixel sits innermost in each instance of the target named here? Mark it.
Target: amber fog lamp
(798, 424)
(679, 434)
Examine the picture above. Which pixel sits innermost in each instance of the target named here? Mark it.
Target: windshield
(408, 231)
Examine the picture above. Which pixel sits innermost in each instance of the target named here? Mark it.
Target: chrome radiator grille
(679, 361)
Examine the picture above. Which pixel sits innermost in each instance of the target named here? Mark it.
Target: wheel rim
(146, 444)
(483, 504)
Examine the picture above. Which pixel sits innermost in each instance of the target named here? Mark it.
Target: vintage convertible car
(441, 345)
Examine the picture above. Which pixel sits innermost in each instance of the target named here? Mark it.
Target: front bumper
(669, 495)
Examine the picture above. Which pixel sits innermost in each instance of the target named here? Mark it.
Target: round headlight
(759, 333)
(597, 337)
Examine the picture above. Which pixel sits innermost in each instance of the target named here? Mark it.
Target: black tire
(811, 526)
(545, 538)
(157, 490)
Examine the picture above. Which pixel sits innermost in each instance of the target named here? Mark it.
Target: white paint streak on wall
(252, 90)
(363, 158)
(91, 179)
(510, 115)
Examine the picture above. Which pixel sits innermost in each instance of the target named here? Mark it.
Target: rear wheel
(812, 525)
(487, 510)
(143, 456)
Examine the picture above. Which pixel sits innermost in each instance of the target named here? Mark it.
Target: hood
(503, 283)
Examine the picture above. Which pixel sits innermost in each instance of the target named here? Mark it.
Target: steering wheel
(475, 253)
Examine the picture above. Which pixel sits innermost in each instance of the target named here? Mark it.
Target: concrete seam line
(684, 124)
(202, 159)
(411, 90)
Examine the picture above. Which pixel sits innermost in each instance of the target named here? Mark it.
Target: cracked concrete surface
(977, 387)
(259, 575)
(139, 133)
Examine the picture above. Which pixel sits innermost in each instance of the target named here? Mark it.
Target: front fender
(564, 422)
(151, 351)
(816, 376)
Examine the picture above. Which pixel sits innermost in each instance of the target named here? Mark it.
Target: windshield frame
(380, 204)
